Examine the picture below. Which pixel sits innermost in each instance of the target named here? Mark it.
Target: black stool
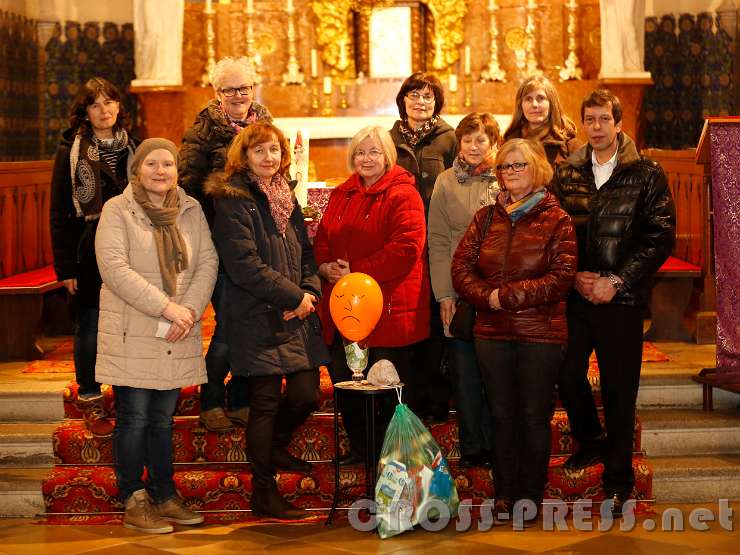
(369, 392)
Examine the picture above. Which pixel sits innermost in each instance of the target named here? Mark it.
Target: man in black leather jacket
(625, 223)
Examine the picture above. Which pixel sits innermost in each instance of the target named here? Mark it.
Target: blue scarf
(522, 206)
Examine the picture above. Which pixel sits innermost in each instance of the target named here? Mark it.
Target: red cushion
(674, 264)
(34, 278)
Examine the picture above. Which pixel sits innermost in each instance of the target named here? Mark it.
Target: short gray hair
(381, 136)
(227, 64)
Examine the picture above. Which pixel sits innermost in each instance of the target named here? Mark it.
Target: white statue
(158, 42)
(622, 38)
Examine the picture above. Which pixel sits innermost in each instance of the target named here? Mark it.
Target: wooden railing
(25, 193)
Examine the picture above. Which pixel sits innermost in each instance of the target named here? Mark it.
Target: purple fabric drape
(725, 151)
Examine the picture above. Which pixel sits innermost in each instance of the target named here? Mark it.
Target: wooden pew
(683, 302)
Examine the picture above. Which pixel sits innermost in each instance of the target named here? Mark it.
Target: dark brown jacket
(532, 262)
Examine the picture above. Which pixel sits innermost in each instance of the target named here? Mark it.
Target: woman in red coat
(375, 224)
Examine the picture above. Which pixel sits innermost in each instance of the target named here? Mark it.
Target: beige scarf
(171, 250)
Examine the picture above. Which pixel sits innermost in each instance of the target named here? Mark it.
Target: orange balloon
(355, 304)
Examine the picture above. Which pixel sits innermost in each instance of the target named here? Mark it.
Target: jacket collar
(395, 175)
(626, 153)
(239, 185)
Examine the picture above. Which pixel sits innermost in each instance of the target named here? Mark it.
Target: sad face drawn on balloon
(356, 304)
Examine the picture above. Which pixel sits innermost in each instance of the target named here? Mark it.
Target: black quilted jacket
(628, 226)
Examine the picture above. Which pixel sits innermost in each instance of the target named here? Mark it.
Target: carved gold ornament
(516, 38)
(333, 31)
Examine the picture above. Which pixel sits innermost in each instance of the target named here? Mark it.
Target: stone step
(20, 491)
(699, 479)
(678, 391)
(27, 445)
(41, 404)
(679, 432)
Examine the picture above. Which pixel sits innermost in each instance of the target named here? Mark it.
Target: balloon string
(399, 393)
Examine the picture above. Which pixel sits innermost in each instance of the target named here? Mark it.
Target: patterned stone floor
(26, 537)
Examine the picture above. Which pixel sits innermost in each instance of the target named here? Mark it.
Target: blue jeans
(473, 415)
(143, 438)
(86, 350)
(520, 381)
(214, 393)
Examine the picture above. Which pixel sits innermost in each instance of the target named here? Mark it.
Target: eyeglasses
(372, 154)
(243, 91)
(516, 166)
(416, 97)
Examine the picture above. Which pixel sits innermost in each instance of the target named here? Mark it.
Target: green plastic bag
(414, 481)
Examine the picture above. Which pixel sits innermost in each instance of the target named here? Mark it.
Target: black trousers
(353, 407)
(615, 333)
(273, 418)
(432, 394)
(519, 378)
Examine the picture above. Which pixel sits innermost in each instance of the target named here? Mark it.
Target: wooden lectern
(719, 148)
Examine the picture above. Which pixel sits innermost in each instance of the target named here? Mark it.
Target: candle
(290, 6)
(327, 85)
(467, 60)
(250, 6)
(208, 6)
(314, 63)
(453, 83)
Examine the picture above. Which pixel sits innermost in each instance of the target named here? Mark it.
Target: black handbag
(461, 326)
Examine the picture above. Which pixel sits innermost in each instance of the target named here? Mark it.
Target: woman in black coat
(273, 289)
(91, 167)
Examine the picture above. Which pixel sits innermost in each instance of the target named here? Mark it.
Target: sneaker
(239, 416)
(215, 420)
(174, 510)
(142, 516)
(95, 415)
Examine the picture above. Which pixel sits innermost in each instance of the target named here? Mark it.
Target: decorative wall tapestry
(692, 66)
(20, 134)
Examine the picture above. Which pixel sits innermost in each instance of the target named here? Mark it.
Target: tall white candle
(453, 83)
(327, 85)
(209, 5)
(467, 60)
(250, 5)
(290, 6)
(314, 63)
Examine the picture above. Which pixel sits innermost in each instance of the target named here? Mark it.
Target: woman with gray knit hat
(158, 266)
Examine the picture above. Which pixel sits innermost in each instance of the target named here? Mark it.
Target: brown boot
(269, 502)
(239, 416)
(95, 415)
(142, 516)
(173, 510)
(215, 420)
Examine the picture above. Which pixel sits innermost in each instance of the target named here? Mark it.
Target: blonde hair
(561, 126)
(534, 154)
(381, 136)
(224, 65)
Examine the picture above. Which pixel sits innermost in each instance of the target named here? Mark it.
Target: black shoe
(618, 500)
(285, 461)
(475, 460)
(584, 457)
(269, 502)
(353, 457)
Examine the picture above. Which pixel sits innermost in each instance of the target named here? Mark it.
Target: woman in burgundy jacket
(517, 277)
(375, 224)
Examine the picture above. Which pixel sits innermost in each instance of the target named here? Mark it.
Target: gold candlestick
(531, 64)
(343, 103)
(327, 110)
(293, 75)
(205, 79)
(493, 71)
(468, 92)
(570, 67)
(251, 54)
(314, 94)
